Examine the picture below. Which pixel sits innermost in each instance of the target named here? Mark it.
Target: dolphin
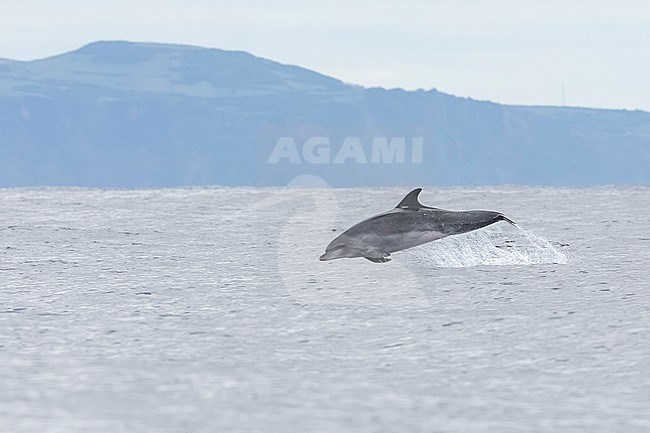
(408, 225)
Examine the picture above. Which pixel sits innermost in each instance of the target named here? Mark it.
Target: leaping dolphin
(408, 225)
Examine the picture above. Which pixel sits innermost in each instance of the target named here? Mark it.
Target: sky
(592, 53)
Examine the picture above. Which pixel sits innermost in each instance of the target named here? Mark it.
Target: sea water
(207, 310)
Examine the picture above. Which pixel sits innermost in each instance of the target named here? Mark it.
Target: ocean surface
(207, 310)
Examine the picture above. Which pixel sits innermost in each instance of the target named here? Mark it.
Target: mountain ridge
(131, 114)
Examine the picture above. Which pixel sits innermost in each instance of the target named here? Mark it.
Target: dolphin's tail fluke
(502, 217)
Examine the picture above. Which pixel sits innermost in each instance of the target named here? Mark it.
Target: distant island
(134, 115)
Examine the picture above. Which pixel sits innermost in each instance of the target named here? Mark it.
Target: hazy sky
(506, 51)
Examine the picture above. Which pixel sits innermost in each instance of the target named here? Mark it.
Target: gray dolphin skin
(408, 225)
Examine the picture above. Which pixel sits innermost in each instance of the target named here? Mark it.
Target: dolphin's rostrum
(408, 225)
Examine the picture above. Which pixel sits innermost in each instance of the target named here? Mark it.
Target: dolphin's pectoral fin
(378, 259)
(376, 256)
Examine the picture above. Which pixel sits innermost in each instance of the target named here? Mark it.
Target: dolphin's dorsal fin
(411, 200)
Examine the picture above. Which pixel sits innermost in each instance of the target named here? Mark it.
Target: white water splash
(493, 246)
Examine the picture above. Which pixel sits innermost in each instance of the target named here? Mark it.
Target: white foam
(491, 246)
